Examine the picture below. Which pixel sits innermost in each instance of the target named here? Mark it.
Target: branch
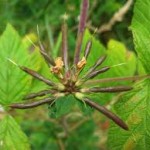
(117, 17)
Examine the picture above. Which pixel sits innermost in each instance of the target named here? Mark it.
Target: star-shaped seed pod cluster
(69, 76)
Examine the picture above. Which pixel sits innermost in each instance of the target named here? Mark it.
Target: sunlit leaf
(63, 105)
(134, 106)
(11, 136)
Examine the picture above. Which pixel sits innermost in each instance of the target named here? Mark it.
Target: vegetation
(77, 76)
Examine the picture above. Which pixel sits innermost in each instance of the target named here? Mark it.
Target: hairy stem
(81, 28)
(65, 46)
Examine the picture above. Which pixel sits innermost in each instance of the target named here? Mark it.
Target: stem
(107, 113)
(37, 76)
(65, 46)
(81, 28)
(32, 104)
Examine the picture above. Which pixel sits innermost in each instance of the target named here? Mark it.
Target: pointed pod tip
(124, 126)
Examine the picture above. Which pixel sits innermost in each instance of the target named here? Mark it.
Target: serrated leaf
(117, 54)
(44, 70)
(141, 32)
(14, 82)
(63, 105)
(134, 106)
(11, 136)
(122, 61)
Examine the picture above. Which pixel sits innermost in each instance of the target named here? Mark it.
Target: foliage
(48, 15)
(133, 107)
(11, 135)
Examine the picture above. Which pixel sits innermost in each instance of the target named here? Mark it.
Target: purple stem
(65, 46)
(81, 28)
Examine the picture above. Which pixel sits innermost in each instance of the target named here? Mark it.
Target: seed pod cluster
(67, 73)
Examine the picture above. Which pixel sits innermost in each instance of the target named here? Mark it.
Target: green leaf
(63, 105)
(141, 32)
(83, 135)
(11, 136)
(117, 54)
(66, 104)
(134, 106)
(44, 70)
(122, 61)
(14, 82)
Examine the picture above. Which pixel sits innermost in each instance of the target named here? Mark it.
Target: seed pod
(87, 49)
(107, 113)
(97, 72)
(111, 89)
(38, 94)
(98, 63)
(36, 75)
(32, 104)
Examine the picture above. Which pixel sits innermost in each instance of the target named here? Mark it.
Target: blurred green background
(46, 133)
(48, 14)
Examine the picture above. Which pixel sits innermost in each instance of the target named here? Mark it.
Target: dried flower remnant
(69, 80)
